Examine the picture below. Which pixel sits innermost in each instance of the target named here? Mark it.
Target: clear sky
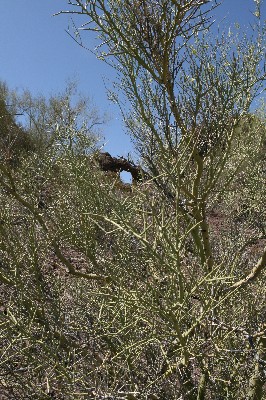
(37, 54)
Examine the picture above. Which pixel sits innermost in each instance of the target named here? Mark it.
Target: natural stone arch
(114, 164)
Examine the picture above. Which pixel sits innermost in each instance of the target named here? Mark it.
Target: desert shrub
(156, 292)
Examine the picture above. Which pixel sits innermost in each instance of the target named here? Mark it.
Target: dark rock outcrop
(113, 164)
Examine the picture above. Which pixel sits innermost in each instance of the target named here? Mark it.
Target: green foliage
(157, 292)
(14, 140)
(65, 121)
(102, 291)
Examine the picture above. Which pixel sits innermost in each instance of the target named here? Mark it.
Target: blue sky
(37, 54)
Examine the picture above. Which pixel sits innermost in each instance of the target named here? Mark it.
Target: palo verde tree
(162, 290)
(189, 94)
(14, 140)
(40, 201)
(55, 121)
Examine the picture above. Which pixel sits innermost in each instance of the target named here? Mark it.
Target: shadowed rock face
(113, 164)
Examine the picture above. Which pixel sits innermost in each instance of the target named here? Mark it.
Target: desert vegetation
(154, 290)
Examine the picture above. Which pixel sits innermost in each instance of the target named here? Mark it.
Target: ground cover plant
(154, 290)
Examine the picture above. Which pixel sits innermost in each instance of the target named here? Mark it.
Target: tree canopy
(157, 292)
